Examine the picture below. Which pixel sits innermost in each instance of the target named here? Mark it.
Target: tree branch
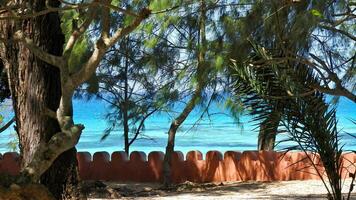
(47, 153)
(336, 92)
(141, 125)
(101, 47)
(14, 16)
(77, 33)
(50, 113)
(56, 61)
(2, 129)
(107, 5)
(339, 89)
(345, 33)
(105, 22)
(144, 13)
(116, 8)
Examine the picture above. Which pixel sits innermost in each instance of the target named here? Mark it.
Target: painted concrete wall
(232, 166)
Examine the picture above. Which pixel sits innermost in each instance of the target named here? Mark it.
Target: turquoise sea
(219, 132)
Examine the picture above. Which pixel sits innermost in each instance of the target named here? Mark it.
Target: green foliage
(68, 19)
(165, 95)
(148, 28)
(270, 80)
(13, 144)
(313, 126)
(151, 43)
(115, 2)
(82, 49)
(307, 119)
(134, 79)
(93, 85)
(316, 13)
(80, 54)
(158, 63)
(219, 61)
(128, 20)
(235, 106)
(158, 5)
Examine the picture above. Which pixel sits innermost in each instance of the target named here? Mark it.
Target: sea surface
(217, 132)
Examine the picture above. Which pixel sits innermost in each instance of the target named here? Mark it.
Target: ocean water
(218, 132)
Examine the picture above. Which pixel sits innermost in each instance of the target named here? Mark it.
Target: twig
(2, 129)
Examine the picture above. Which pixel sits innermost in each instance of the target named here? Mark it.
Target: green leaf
(151, 42)
(149, 27)
(129, 20)
(316, 13)
(219, 62)
(67, 20)
(93, 84)
(79, 55)
(181, 74)
(157, 5)
(115, 2)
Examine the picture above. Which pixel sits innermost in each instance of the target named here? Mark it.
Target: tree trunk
(126, 101)
(126, 131)
(201, 82)
(268, 132)
(35, 86)
(167, 162)
(126, 134)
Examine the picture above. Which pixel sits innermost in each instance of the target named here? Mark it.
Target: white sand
(291, 190)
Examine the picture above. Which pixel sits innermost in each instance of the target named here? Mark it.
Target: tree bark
(35, 86)
(268, 132)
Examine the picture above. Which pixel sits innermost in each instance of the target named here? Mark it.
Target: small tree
(304, 114)
(133, 89)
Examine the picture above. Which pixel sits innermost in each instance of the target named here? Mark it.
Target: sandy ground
(291, 190)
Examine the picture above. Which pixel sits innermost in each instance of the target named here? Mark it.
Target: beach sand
(291, 190)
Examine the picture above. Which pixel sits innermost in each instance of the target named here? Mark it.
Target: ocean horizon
(218, 132)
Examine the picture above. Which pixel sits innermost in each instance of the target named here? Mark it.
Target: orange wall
(232, 166)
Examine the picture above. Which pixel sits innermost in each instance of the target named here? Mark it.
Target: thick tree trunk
(268, 132)
(266, 138)
(36, 86)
